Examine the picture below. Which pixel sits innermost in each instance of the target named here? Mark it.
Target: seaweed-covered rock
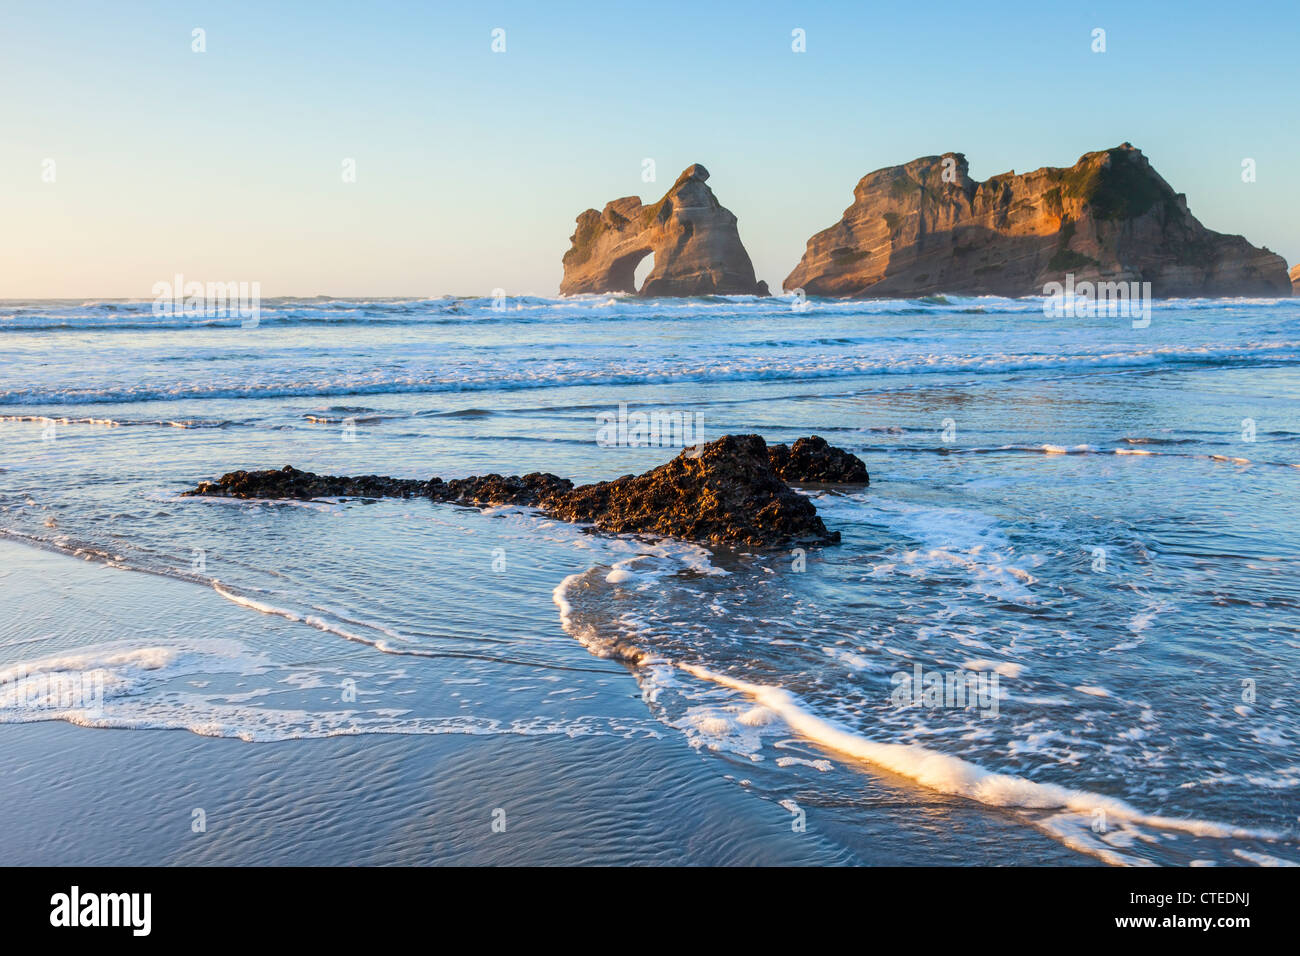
(813, 460)
(495, 489)
(289, 482)
(726, 491)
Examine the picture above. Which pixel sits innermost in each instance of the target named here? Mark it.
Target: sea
(1062, 624)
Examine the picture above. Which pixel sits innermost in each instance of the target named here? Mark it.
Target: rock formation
(726, 491)
(694, 240)
(1295, 280)
(926, 227)
(289, 482)
(813, 460)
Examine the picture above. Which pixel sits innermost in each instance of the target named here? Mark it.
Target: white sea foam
(951, 539)
(1004, 668)
(1067, 813)
(138, 691)
(792, 362)
(822, 764)
(1263, 859)
(261, 606)
(953, 775)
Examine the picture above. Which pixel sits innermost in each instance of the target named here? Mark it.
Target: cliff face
(695, 242)
(1295, 280)
(926, 227)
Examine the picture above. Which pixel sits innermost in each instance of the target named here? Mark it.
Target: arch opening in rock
(643, 269)
(623, 274)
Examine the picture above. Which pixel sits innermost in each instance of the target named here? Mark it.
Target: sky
(471, 165)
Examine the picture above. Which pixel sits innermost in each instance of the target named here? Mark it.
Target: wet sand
(73, 795)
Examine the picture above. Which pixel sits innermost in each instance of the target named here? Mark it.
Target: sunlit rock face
(926, 227)
(694, 240)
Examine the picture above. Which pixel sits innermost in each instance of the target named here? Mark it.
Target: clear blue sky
(471, 166)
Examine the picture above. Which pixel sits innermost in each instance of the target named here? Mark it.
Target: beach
(1096, 521)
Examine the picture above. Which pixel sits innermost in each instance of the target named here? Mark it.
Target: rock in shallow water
(728, 491)
(530, 490)
(813, 460)
(289, 482)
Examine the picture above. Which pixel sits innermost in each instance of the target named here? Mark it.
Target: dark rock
(511, 490)
(289, 482)
(813, 460)
(726, 491)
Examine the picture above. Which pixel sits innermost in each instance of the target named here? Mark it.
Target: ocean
(1061, 625)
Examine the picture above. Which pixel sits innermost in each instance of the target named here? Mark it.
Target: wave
(120, 422)
(690, 684)
(1071, 450)
(381, 638)
(138, 315)
(952, 775)
(516, 376)
(127, 686)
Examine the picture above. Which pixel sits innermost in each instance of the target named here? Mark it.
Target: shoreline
(117, 796)
(976, 551)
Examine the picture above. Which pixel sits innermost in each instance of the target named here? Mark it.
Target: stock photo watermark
(178, 298)
(1080, 300)
(659, 428)
(56, 691)
(958, 689)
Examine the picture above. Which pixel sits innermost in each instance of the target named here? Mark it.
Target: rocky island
(694, 240)
(729, 491)
(926, 227)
